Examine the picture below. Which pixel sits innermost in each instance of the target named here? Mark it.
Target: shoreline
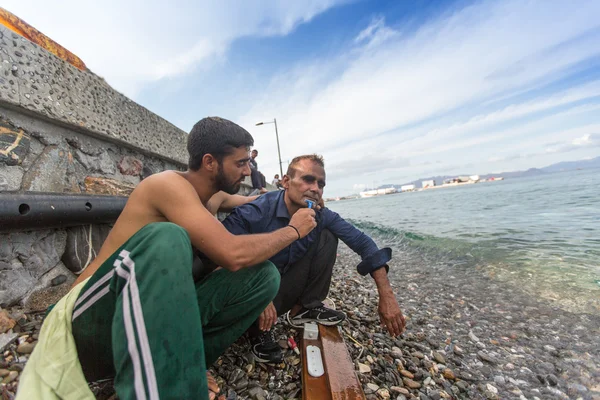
(468, 337)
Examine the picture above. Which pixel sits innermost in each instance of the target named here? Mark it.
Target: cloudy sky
(387, 91)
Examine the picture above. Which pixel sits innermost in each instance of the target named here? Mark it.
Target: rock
(370, 359)
(486, 357)
(439, 358)
(60, 279)
(49, 172)
(14, 144)
(411, 384)
(257, 393)
(6, 322)
(552, 380)
(400, 390)
(26, 348)
(491, 388)
(7, 339)
(12, 375)
(449, 374)
(11, 178)
(364, 368)
(77, 251)
(407, 374)
(4, 372)
(130, 166)
(473, 337)
(101, 163)
(458, 350)
(383, 393)
(95, 185)
(45, 293)
(499, 380)
(372, 387)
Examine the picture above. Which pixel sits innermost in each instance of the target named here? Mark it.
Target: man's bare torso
(140, 210)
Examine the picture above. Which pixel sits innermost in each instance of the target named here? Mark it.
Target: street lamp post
(277, 137)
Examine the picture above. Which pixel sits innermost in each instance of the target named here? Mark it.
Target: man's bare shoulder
(172, 180)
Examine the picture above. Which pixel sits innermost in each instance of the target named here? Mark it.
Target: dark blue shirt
(269, 213)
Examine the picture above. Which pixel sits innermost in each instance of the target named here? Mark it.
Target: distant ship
(378, 192)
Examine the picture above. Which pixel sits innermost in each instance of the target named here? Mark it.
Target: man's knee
(269, 278)
(328, 243)
(167, 239)
(165, 232)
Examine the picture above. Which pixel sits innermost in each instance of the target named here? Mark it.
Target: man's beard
(225, 185)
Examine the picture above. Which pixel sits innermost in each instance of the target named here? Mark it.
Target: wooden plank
(339, 381)
(313, 388)
(343, 382)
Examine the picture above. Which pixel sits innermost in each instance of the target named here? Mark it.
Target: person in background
(258, 179)
(276, 182)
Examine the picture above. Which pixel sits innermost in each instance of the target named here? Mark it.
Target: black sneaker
(265, 348)
(321, 315)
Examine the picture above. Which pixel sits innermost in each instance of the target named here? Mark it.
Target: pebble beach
(468, 336)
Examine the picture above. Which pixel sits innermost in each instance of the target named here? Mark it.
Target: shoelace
(267, 337)
(322, 309)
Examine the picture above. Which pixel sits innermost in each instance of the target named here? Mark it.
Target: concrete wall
(66, 131)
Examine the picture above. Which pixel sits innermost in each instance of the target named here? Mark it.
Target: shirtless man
(136, 313)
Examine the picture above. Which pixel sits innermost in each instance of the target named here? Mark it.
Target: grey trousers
(307, 281)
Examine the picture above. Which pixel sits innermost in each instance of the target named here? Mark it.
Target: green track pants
(142, 319)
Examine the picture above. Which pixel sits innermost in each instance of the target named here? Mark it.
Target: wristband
(296, 229)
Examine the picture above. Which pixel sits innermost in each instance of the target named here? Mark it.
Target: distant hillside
(558, 167)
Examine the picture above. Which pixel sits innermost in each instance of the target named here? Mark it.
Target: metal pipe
(278, 151)
(27, 211)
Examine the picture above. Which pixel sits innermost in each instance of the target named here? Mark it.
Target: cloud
(376, 32)
(476, 75)
(587, 140)
(131, 43)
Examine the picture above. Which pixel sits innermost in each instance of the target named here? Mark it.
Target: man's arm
(230, 201)
(389, 310)
(226, 202)
(177, 200)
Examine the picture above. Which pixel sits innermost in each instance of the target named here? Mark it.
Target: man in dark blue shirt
(306, 265)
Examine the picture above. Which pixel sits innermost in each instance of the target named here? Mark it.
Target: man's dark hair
(315, 158)
(217, 137)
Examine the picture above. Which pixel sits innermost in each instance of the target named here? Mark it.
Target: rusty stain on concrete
(22, 28)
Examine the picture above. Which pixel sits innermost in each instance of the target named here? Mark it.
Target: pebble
(26, 348)
(439, 358)
(399, 390)
(363, 368)
(407, 374)
(411, 384)
(449, 374)
(12, 375)
(442, 354)
(486, 357)
(552, 380)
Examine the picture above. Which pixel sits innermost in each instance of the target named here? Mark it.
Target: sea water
(541, 233)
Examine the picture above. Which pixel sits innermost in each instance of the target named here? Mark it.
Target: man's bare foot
(213, 388)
